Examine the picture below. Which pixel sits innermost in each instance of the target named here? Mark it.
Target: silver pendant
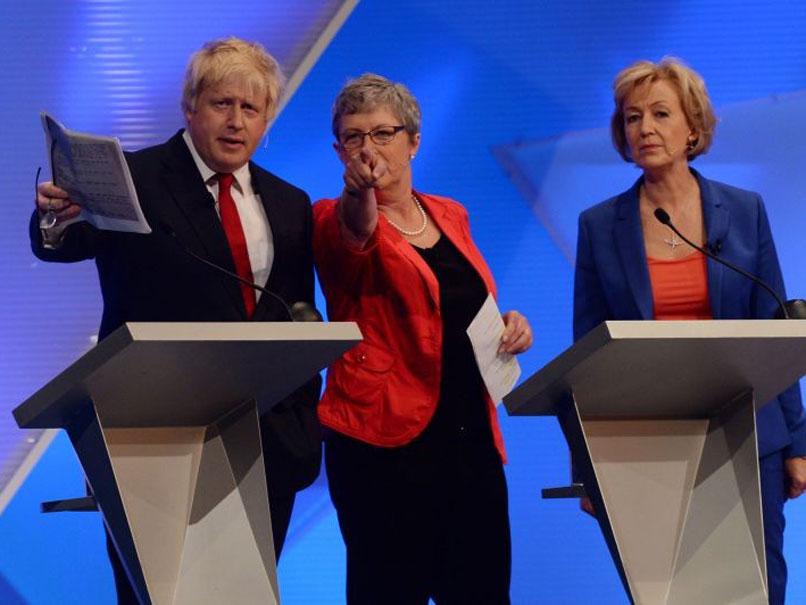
(673, 242)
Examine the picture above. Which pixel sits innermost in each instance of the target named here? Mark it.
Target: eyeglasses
(383, 135)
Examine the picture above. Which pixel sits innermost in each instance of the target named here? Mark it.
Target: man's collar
(242, 176)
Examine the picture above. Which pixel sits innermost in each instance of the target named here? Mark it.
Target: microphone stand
(791, 309)
(299, 311)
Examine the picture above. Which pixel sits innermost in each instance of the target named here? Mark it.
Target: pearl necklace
(415, 232)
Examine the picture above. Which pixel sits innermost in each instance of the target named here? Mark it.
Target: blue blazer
(612, 281)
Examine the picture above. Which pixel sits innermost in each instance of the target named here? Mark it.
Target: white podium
(660, 419)
(164, 419)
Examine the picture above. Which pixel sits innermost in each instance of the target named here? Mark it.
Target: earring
(412, 156)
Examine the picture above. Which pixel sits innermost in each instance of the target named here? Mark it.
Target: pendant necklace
(673, 242)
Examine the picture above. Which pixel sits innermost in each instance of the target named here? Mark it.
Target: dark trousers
(280, 519)
(773, 498)
(417, 527)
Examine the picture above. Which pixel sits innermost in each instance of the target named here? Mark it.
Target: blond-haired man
(202, 188)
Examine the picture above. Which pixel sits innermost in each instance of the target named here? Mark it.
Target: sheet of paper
(500, 371)
(94, 172)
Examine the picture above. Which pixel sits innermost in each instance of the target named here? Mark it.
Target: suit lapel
(198, 206)
(629, 240)
(717, 221)
(452, 228)
(455, 229)
(407, 251)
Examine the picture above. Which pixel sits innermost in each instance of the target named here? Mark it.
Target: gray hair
(371, 91)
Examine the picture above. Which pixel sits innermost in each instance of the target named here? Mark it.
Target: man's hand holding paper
(50, 198)
(91, 181)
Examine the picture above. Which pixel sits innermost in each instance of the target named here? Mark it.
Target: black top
(461, 413)
(458, 441)
(461, 294)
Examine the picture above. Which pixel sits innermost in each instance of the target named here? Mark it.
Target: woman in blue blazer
(630, 266)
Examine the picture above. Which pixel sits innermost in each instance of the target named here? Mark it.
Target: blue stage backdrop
(516, 100)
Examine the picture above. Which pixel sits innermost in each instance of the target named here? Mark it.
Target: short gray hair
(371, 91)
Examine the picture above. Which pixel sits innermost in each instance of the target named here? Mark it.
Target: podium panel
(660, 418)
(164, 418)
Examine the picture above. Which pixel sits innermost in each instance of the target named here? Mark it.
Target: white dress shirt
(255, 224)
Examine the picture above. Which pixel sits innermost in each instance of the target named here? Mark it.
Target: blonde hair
(371, 91)
(219, 60)
(690, 88)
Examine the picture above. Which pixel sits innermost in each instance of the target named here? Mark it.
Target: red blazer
(385, 390)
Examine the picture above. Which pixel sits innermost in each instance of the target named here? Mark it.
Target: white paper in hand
(93, 171)
(500, 371)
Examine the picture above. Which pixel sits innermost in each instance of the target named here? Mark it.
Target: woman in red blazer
(414, 453)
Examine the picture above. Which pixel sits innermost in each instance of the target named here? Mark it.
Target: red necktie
(237, 242)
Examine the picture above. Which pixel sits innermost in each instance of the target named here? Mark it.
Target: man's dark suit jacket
(150, 278)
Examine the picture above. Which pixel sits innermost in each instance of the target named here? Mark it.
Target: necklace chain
(672, 241)
(415, 232)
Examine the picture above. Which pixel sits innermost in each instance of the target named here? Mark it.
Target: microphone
(298, 311)
(792, 309)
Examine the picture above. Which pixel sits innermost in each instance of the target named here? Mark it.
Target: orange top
(680, 287)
